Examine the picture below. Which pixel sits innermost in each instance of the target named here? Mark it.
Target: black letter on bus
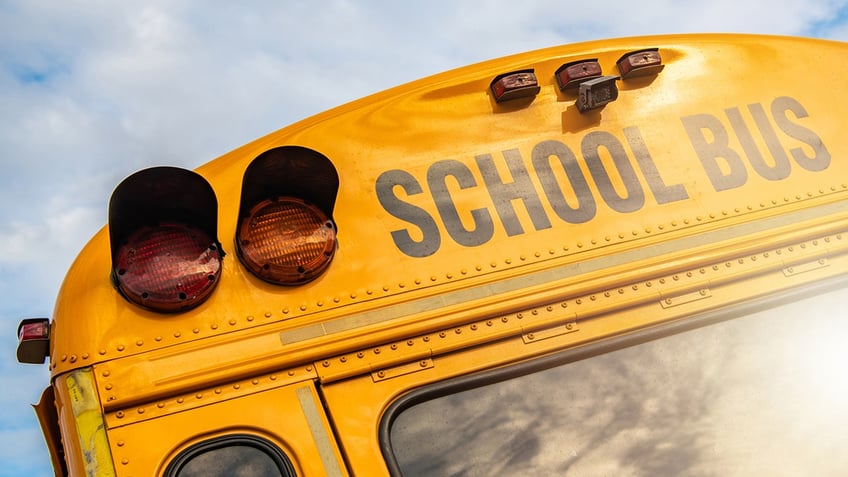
(662, 193)
(503, 193)
(710, 152)
(415, 215)
(586, 207)
(436, 178)
(781, 168)
(635, 198)
(821, 160)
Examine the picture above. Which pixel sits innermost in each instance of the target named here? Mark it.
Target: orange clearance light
(286, 241)
(640, 63)
(163, 232)
(518, 84)
(570, 75)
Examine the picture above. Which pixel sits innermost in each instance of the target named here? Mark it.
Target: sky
(92, 91)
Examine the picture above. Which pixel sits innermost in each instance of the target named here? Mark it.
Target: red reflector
(33, 331)
(286, 241)
(33, 340)
(518, 84)
(170, 267)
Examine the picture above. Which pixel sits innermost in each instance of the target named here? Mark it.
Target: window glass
(763, 394)
(231, 456)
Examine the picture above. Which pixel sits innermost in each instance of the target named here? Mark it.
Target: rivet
(401, 285)
(302, 308)
(233, 322)
(102, 352)
(195, 330)
(120, 443)
(256, 381)
(272, 377)
(85, 356)
(250, 317)
(140, 410)
(508, 261)
(291, 372)
(73, 358)
(236, 386)
(120, 347)
(393, 346)
(442, 334)
(286, 310)
(530, 336)
(410, 342)
(473, 327)
(180, 400)
(505, 319)
(160, 405)
(106, 373)
(108, 387)
(177, 334)
(343, 359)
(377, 350)
(449, 276)
(119, 414)
(125, 461)
(158, 339)
(423, 363)
(458, 331)
(309, 369)
(268, 313)
(385, 288)
(214, 326)
(218, 391)
(381, 374)
(425, 339)
(326, 364)
(360, 355)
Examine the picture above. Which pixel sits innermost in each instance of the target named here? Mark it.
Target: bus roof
(452, 204)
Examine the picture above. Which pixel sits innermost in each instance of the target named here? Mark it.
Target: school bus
(621, 257)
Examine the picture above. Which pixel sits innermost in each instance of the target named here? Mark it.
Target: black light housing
(286, 234)
(163, 234)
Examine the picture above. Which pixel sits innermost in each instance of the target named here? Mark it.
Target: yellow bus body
(720, 180)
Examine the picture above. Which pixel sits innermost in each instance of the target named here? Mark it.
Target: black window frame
(273, 452)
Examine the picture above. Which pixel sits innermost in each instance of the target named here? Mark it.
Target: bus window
(242, 455)
(759, 395)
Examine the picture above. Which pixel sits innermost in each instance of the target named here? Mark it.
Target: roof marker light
(570, 75)
(514, 85)
(597, 93)
(640, 63)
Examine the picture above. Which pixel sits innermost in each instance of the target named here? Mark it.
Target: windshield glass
(763, 394)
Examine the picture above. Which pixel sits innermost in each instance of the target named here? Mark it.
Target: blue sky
(91, 91)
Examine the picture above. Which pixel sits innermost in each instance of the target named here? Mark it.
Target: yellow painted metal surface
(474, 234)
